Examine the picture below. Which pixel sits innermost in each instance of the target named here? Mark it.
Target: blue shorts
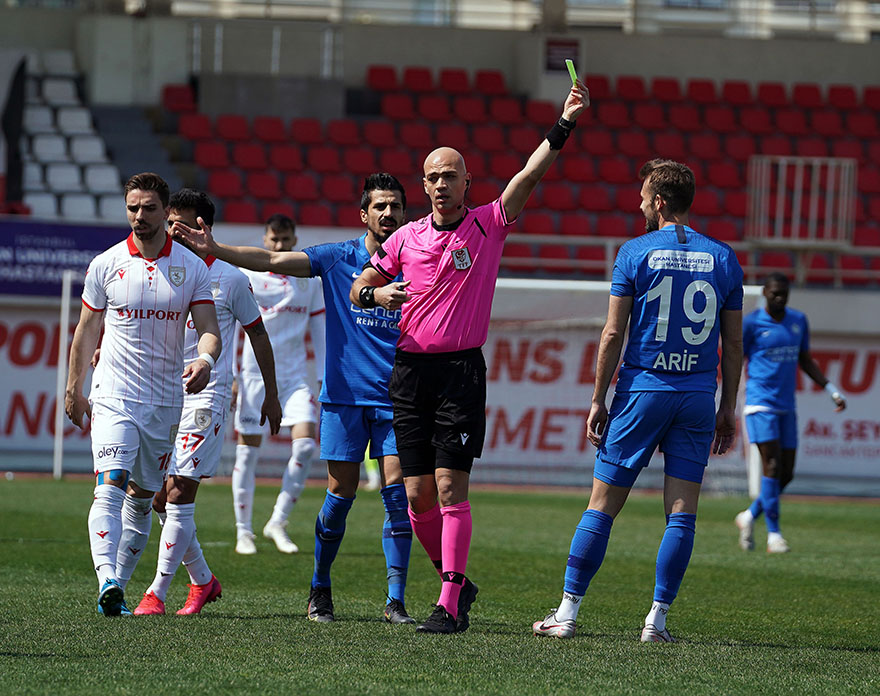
(766, 426)
(682, 425)
(345, 431)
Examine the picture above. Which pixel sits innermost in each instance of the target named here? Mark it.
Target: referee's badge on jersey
(177, 274)
(461, 258)
(203, 418)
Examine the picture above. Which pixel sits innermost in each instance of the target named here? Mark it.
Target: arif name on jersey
(157, 314)
(675, 362)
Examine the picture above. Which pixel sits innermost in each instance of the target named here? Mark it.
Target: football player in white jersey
(141, 292)
(202, 424)
(289, 307)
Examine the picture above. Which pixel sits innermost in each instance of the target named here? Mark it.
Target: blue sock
(587, 551)
(673, 555)
(396, 539)
(770, 501)
(329, 529)
(756, 508)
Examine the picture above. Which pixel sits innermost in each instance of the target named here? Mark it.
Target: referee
(449, 261)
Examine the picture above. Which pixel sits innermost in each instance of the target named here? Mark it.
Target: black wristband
(557, 135)
(366, 296)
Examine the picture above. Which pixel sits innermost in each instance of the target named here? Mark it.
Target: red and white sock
(304, 451)
(137, 518)
(105, 528)
(195, 563)
(177, 533)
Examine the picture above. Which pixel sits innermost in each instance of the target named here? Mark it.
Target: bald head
(445, 158)
(446, 183)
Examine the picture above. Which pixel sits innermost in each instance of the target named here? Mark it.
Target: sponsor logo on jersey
(677, 260)
(121, 272)
(461, 258)
(103, 534)
(157, 314)
(177, 274)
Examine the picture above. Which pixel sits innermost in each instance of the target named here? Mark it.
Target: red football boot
(200, 595)
(150, 604)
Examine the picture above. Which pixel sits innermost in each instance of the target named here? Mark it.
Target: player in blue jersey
(776, 341)
(679, 291)
(356, 407)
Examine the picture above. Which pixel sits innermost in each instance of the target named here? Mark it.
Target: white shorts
(198, 445)
(138, 438)
(297, 404)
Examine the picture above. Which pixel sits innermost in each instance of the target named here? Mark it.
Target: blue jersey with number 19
(680, 281)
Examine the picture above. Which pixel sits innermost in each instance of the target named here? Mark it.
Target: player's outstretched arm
(293, 263)
(85, 341)
(610, 345)
(521, 186)
(271, 409)
(731, 369)
(812, 370)
(198, 372)
(388, 295)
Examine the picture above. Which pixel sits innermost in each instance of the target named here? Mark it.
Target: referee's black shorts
(439, 409)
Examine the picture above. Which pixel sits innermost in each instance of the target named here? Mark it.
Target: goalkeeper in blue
(679, 291)
(355, 406)
(776, 342)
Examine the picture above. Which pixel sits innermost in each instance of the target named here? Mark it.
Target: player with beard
(141, 291)
(355, 403)
(678, 290)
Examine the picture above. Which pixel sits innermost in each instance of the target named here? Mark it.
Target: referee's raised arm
(521, 186)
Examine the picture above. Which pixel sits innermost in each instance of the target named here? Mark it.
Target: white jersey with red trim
(147, 303)
(235, 304)
(287, 304)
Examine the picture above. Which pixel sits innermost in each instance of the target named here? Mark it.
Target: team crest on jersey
(177, 274)
(215, 289)
(461, 258)
(795, 329)
(302, 283)
(203, 418)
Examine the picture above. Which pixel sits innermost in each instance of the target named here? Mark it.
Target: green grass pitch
(803, 623)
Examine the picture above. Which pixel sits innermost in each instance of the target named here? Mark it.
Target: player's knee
(305, 450)
(115, 477)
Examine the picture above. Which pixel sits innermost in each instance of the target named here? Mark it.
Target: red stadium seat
(380, 134)
(195, 127)
(348, 216)
(811, 147)
(721, 119)
(779, 145)
(775, 261)
(756, 120)
(324, 159)
(286, 158)
(871, 98)
(489, 138)
(843, 97)
(737, 93)
(538, 223)
(382, 78)
(575, 224)
(482, 192)
(225, 184)
(862, 124)
(735, 204)
(433, 107)
(524, 139)
(631, 88)
(820, 271)
(791, 122)
(739, 147)
(454, 81)
(232, 127)
(263, 186)
(178, 99)
(301, 187)
(559, 197)
(772, 94)
(634, 144)
(614, 115)
(277, 208)
(397, 161)
(592, 260)
(315, 215)
(518, 257)
(578, 169)
(705, 146)
(669, 145)
(307, 131)
(599, 86)
(598, 143)
(343, 131)
(723, 230)
(269, 129)
(725, 175)
(866, 235)
(854, 270)
(626, 198)
(470, 109)
(828, 124)
(337, 188)
(490, 83)
(453, 135)
(616, 170)
(418, 79)
(706, 203)
(541, 113)
(417, 135)
(807, 96)
(476, 163)
(359, 160)
(211, 154)
(684, 117)
(249, 156)
(702, 92)
(398, 107)
(849, 148)
(666, 89)
(505, 165)
(507, 111)
(595, 199)
(556, 253)
(613, 226)
(869, 180)
(240, 212)
(649, 116)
